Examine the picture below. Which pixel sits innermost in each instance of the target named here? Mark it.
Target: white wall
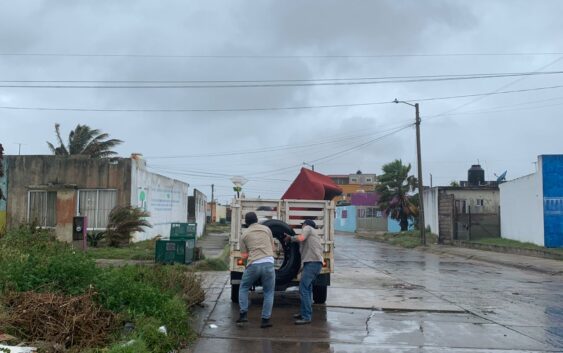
(521, 209)
(220, 212)
(200, 204)
(166, 199)
(431, 209)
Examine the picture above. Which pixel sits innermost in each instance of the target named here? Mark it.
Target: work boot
(302, 322)
(242, 318)
(265, 323)
(297, 316)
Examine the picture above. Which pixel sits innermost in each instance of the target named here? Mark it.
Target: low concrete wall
(510, 250)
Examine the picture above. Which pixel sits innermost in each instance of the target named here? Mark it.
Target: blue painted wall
(552, 170)
(345, 219)
(393, 226)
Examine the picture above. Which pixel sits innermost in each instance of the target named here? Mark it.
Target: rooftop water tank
(476, 175)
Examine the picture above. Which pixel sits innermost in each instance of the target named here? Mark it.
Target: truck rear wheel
(292, 258)
(234, 292)
(319, 294)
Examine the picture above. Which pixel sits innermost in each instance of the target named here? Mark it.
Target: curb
(520, 266)
(443, 250)
(510, 250)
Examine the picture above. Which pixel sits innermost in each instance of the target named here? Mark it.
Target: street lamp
(238, 181)
(421, 224)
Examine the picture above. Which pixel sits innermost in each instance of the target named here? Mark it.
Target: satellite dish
(502, 177)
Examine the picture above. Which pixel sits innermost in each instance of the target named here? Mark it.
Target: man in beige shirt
(257, 246)
(312, 262)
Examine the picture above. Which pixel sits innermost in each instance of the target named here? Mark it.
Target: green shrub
(35, 261)
(135, 291)
(178, 280)
(148, 331)
(133, 346)
(122, 289)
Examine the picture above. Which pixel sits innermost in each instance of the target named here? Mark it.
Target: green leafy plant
(94, 238)
(123, 221)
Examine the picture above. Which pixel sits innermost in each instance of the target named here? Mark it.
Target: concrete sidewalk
(547, 266)
(212, 244)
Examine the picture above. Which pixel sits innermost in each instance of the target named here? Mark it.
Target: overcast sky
(220, 40)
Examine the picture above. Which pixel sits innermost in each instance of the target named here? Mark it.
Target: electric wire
(250, 56)
(306, 107)
(268, 149)
(313, 81)
(295, 83)
(476, 99)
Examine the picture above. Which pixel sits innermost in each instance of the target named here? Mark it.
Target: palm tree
(394, 187)
(86, 141)
(123, 221)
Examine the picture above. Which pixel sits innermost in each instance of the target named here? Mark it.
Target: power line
(382, 79)
(248, 56)
(348, 105)
(490, 111)
(334, 155)
(274, 84)
(268, 149)
(496, 90)
(337, 153)
(196, 173)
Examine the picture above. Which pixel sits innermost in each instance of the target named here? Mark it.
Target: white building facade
(532, 206)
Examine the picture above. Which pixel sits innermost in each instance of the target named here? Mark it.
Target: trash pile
(68, 321)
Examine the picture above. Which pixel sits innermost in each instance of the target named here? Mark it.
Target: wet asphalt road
(387, 299)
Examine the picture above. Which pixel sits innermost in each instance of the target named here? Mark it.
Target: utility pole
(421, 224)
(212, 193)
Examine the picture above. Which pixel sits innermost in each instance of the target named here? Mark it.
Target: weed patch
(44, 282)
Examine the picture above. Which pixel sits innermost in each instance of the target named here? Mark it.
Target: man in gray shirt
(257, 247)
(312, 263)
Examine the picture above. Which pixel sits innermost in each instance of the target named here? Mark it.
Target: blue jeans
(266, 273)
(310, 271)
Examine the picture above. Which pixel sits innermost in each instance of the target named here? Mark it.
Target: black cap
(309, 222)
(250, 218)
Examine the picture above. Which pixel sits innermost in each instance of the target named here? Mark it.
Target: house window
(379, 214)
(368, 180)
(42, 208)
(479, 202)
(96, 205)
(354, 180)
